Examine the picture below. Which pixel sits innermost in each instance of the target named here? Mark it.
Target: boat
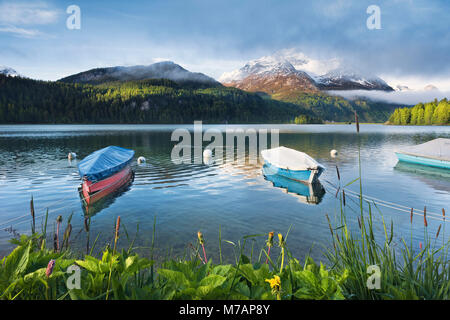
(308, 193)
(98, 202)
(292, 164)
(434, 153)
(104, 171)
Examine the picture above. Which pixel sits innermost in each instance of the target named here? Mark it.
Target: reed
(406, 273)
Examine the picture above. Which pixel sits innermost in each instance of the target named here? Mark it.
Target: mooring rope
(388, 204)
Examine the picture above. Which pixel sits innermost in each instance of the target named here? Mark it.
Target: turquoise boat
(434, 153)
(292, 164)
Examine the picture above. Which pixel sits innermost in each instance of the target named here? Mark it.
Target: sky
(411, 48)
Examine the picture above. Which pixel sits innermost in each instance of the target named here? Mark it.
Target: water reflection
(309, 193)
(436, 178)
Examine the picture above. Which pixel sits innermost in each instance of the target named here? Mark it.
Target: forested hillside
(144, 101)
(436, 112)
(335, 108)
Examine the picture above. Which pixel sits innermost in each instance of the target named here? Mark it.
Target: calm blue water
(233, 197)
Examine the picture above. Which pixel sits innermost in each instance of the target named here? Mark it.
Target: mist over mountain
(402, 97)
(160, 70)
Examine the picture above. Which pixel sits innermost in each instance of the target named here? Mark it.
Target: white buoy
(207, 153)
(141, 159)
(208, 161)
(207, 157)
(71, 155)
(333, 153)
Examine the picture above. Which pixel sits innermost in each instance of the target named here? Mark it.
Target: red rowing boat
(94, 191)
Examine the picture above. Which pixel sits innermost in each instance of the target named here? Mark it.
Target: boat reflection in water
(437, 178)
(94, 203)
(309, 193)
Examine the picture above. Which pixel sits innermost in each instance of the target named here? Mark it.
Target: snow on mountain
(328, 74)
(314, 67)
(165, 69)
(257, 66)
(430, 87)
(8, 71)
(401, 87)
(349, 79)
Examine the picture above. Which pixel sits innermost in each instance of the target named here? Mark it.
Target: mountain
(273, 78)
(8, 71)
(159, 70)
(430, 87)
(345, 79)
(320, 74)
(401, 87)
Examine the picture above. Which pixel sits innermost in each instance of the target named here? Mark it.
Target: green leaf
(213, 281)
(176, 277)
(17, 261)
(89, 265)
(222, 270)
(351, 182)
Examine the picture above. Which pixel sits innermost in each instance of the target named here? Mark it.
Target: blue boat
(309, 193)
(434, 153)
(292, 164)
(104, 163)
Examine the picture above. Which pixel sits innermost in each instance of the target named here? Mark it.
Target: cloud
(401, 97)
(27, 13)
(21, 32)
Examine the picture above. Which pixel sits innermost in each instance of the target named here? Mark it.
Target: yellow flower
(200, 237)
(275, 283)
(281, 240)
(270, 239)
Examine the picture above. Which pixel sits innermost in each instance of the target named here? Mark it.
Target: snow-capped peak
(346, 73)
(290, 60)
(8, 71)
(314, 67)
(430, 87)
(401, 87)
(328, 74)
(259, 66)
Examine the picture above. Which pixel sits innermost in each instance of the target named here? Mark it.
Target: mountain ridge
(326, 74)
(159, 70)
(9, 71)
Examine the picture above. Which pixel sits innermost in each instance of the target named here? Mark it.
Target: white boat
(292, 164)
(434, 153)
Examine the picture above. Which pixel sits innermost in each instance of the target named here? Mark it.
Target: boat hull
(423, 161)
(94, 191)
(309, 193)
(309, 176)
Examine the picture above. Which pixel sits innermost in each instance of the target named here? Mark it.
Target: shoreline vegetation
(431, 113)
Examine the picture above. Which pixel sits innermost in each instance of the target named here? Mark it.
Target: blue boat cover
(104, 162)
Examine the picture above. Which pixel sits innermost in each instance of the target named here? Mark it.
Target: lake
(231, 196)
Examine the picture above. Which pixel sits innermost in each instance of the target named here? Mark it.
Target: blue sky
(412, 46)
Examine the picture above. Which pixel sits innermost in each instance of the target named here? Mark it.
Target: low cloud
(21, 32)
(411, 97)
(38, 13)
